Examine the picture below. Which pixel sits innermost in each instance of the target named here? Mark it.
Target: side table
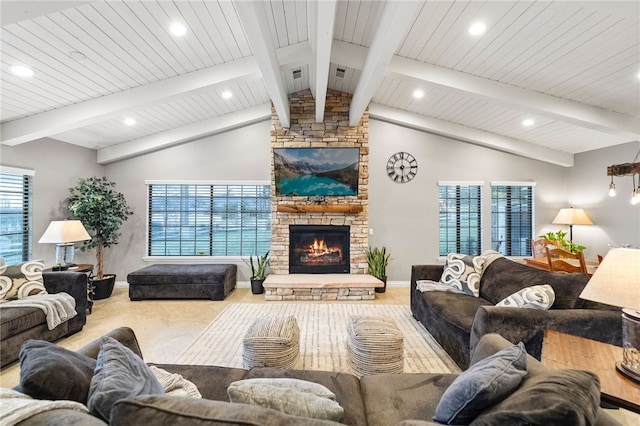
(560, 350)
(87, 268)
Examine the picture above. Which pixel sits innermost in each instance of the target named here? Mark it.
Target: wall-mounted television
(316, 172)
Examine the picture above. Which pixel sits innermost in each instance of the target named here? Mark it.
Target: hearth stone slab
(321, 287)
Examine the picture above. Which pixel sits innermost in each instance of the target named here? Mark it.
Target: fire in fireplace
(319, 249)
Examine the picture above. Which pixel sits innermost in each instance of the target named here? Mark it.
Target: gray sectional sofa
(458, 321)
(19, 324)
(375, 400)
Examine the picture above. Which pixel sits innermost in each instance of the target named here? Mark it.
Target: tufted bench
(198, 281)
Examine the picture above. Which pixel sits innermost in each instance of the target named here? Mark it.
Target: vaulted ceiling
(573, 67)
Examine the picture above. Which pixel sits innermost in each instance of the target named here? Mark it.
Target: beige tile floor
(165, 328)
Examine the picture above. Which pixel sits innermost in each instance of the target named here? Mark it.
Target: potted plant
(102, 210)
(378, 260)
(565, 244)
(259, 271)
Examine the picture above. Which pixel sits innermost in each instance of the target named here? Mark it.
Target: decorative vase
(256, 286)
(382, 289)
(103, 288)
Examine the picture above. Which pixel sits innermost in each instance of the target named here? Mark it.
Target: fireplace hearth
(319, 249)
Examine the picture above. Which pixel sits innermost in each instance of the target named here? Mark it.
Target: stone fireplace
(319, 249)
(337, 211)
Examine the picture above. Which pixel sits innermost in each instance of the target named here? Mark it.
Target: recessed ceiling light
(129, 121)
(178, 29)
(21, 71)
(418, 93)
(227, 94)
(528, 122)
(477, 28)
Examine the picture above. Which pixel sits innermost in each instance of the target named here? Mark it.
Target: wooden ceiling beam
(253, 15)
(322, 30)
(96, 110)
(395, 22)
(184, 134)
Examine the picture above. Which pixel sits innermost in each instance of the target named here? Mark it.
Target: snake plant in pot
(259, 272)
(102, 210)
(378, 260)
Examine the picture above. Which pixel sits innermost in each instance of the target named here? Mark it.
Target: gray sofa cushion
(167, 410)
(49, 371)
(119, 373)
(543, 399)
(482, 385)
(391, 398)
(504, 277)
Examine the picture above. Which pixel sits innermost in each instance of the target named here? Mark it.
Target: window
(460, 218)
(16, 196)
(209, 219)
(512, 215)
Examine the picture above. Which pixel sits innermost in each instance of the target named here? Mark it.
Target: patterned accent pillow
(535, 297)
(463, 272)
(22, 280)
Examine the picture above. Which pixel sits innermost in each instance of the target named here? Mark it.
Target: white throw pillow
(535, 297)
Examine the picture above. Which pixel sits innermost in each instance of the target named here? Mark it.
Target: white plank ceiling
(571, 66)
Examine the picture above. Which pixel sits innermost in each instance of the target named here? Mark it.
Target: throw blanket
(175, 384)
(17, 407)
(58, 307)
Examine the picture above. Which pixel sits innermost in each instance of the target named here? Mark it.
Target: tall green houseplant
(102, 210)
(378, 260)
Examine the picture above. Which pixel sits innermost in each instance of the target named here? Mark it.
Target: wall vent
(340, 72)
(297, 73)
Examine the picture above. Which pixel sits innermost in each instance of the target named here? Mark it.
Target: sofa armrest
(528, 325)
(422, 272)
(75, 285)
(425, 272)
(124, 335)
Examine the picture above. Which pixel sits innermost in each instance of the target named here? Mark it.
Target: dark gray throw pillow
(49, 371)
(119, 374)
(485, 383)
(566, 397)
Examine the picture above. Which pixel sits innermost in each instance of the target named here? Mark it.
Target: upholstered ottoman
(374, 345)
(271, 342)
(198, 281)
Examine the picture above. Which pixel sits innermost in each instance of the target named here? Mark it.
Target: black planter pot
(103, 288)
(382, 289)
(256, 286)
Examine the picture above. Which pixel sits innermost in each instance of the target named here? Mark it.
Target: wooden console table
(560, 350)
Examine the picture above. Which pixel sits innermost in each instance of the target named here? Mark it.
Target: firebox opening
(319, 249)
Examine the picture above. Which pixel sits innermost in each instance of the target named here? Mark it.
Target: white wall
(404, 217)
(615, 221)
(241, 154)
(58, 166)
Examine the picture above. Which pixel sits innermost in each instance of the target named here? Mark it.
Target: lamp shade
(572, 216)
(64, 231)
(616, 280)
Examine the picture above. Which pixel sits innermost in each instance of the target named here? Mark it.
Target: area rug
(323, 336)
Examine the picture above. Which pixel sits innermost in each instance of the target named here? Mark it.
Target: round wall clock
(402, 167)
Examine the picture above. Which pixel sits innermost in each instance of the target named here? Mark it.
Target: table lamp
(617, 282)
(64, 233)
(572, 217)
